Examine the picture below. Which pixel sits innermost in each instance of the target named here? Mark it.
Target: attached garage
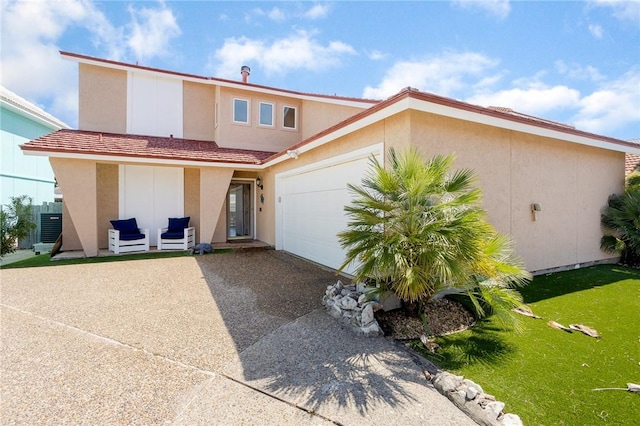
(310, 205)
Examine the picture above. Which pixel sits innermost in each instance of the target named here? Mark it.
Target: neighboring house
(632, 161)
(20, 122)
(248, 161)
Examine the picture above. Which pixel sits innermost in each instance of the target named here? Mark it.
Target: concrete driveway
(233, 338)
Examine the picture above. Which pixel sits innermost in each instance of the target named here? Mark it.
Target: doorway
(240, 211)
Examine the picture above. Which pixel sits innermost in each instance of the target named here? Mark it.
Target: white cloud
(317, 11)
(276, 14)
(534, 100)
(151, 31)
(444, 75)
(31, 31)
(298, 51)
(578, 72)
(624, 10)
(497, 8)
(376, 55)
(614, 105)
(596, 30)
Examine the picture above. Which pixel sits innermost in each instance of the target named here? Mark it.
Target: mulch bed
(442, 316)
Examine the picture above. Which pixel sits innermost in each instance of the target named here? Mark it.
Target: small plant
(621, 223)
(15, 222)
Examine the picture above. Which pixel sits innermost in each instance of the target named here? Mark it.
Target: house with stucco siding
(245, 161)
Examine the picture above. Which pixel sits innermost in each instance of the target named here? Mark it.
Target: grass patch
(45, 259)
(546, 376)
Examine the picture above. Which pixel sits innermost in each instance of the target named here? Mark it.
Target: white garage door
(311, 207)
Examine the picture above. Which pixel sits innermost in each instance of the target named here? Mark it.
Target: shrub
(620, 220)
(418, 230)
(15, 222)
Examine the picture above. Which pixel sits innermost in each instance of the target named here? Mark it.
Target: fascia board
(142, 160)
(31, 116)
(382, 114)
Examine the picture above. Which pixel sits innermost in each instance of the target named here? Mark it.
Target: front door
(239, 211)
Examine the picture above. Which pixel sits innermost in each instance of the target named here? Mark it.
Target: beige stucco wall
(252, 135)
(102, 99)
(192, 198)
(198, 111)
(78, 182)
(214, 183)
(318, 116)
(107, 200)
(571, 182)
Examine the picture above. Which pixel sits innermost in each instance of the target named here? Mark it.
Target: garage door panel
(313, 210)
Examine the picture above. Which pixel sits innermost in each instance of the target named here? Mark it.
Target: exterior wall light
(293, 154)
(259, 182)
(535, 208)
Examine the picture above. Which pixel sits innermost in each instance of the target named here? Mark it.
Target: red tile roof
(137, 146)
(631, 163)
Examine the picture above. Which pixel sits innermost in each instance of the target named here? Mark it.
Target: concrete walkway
(16, 256)
(223, 339)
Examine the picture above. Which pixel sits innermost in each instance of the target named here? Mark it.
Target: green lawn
(545, 375)
(45, 259)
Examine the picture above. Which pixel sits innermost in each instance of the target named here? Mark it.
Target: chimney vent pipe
(245, 71)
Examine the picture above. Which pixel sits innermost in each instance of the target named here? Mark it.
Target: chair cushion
(130, 237)
(126, 226)
(172, 235)
(178, 223)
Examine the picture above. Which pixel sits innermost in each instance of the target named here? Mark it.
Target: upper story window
(289, 117)
(240, 111)
(266, 114)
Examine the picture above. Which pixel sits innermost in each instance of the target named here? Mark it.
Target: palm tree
(418, 230)
(621, 223)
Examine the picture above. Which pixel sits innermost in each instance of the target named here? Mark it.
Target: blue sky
(569, 61)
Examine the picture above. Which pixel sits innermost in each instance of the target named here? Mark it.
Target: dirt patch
(442, 316)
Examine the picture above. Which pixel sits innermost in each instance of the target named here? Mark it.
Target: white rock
(510, 419)
(362, 299)
(335, 311)
(367, 315)
(471, 393)
(494, 408)
(472, 384)
(348, 303)
(447, 382)
(372, 330)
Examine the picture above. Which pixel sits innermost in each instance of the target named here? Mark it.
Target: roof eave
(95, 156)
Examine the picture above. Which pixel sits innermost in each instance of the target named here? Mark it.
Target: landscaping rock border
(470, 398)
(352, 306)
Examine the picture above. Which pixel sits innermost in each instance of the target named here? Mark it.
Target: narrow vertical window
(266, 114)
(289, 118)
(217, 119)
(240, 111)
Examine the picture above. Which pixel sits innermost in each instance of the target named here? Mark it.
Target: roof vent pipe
(245, 71)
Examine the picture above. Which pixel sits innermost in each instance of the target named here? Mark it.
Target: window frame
(273, 115)
(248, 111)
(295, 117)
